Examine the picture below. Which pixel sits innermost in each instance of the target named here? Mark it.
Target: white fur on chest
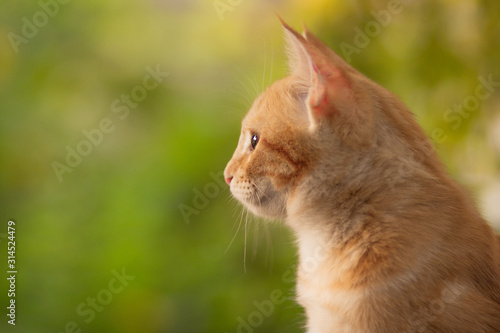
(327, 309)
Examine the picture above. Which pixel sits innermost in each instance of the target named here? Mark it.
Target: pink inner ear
(322, 109)
(317, 93)
(315, 69)
(331, 88)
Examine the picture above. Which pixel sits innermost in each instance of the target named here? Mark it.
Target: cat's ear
(316, 42)
(331, 96)
(299, 61)
(329, 85)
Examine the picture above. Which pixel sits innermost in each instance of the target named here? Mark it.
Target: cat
(387, 241)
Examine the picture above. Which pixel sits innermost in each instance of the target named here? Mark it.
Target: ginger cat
(388, 242)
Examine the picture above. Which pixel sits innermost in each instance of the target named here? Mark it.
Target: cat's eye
(254, 141)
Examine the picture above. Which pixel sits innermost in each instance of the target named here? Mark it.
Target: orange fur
(388, 242)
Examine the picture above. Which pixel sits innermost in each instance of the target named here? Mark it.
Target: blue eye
(254, 141)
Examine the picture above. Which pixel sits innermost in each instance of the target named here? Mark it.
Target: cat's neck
(336, 220)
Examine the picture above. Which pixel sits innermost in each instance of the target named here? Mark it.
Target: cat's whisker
(255, 240)
(247, 95)
(272, 65)
(265, 67)
(297, 323)
(256, 194)
(257, 225)
(246, 88)
(252, 83)
(245, 244)
(269, 247)
(233, 93)
(237, 230)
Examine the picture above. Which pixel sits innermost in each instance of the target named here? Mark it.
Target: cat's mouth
(267, 205)
(254, 198)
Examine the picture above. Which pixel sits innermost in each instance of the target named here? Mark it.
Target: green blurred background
(147, 200)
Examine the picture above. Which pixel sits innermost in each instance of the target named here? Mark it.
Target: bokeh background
(146, 200)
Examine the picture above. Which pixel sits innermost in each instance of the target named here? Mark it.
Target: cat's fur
(388, 242)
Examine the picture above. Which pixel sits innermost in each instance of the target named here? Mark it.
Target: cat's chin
(265, 213)
(266, 208)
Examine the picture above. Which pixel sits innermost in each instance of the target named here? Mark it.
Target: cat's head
(323, 119)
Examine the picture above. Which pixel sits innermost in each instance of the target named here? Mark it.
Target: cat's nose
(228, 173)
